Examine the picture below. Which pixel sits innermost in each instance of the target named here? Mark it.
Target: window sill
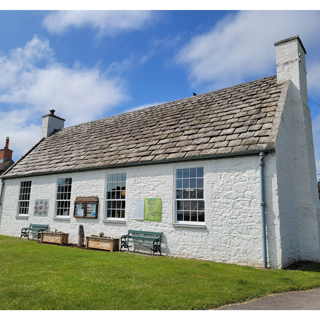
(114, 221)
(185, 225)
(61, 218)
(22, 216)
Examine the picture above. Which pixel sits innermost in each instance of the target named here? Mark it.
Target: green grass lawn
(36, 276)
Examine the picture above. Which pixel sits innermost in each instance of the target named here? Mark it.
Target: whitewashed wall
(297, 185)
(232, 200)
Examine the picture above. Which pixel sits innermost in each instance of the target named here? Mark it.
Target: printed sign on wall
(152, 209)
(139, 209)
(41, 207)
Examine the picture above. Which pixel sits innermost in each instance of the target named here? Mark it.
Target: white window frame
(114, 219)
(179, 223)
(24, 200)
(59, 216)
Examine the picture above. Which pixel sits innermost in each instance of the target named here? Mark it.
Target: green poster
(152, 209)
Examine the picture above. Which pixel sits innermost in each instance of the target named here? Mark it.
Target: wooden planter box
(111, 244)
(52, 237)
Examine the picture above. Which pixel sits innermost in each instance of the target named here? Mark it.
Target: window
(116, 195)
(189, 195)
(64, 196)
(24, 197)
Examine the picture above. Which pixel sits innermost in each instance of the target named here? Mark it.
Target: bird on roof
(194, 94)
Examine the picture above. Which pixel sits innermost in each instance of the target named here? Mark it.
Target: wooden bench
(35, 229)
(148, 239)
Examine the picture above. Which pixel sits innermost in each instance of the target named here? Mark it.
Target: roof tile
(226, 121)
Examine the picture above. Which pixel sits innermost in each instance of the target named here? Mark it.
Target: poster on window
(152, 209)
(41, 207)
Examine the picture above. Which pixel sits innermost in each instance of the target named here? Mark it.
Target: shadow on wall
(271, 218)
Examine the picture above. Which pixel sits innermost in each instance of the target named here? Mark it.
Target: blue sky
(93, 64)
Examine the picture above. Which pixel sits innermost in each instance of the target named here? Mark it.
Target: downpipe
(263, 209)
(2, 188)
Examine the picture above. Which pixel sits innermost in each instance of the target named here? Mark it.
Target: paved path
(297, 300)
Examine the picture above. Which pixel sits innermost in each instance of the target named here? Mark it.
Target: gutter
(142, 163)
(263, 209)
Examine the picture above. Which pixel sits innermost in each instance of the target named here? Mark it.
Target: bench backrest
(146, 233)
(38, 226)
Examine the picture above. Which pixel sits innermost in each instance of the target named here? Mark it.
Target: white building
(219, 162)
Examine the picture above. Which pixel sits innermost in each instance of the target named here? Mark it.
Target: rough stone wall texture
(297, 183)
(287, 181)
(232, 200)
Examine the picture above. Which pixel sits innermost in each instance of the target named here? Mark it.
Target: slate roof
(5, 165)
(235, 120)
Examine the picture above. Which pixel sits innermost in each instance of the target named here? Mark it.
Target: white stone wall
(49, 124)
(297, 183)
(232, 200)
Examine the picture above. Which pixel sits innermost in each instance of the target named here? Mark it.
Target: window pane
(194, 205)
(186, 205)
(179, 183)
(200, 193)
(179, 194)
(179, 173)
(194, 216)
(193, 183)
(201, 216)
(185, 194)
(193, 172)
(199, 183)
(193, 194)
(199, 172)
(186, 183)
(185, 173)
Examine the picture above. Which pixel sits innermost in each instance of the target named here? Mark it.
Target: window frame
(24, 200)
(56, 215)
(176, 222)
(115, 219)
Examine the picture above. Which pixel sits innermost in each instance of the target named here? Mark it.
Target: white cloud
(23, 136)
(32, 82)
(143, 106)
(241, 45)
(108, 22)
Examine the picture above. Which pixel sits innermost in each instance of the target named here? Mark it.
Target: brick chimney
(6, 153)
(50, 123)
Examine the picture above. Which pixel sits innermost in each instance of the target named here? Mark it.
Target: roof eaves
(151, 162)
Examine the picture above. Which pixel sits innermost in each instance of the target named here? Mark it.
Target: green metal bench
(148, 239)
(34, 229)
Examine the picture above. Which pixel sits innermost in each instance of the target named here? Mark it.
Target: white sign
(139, 209)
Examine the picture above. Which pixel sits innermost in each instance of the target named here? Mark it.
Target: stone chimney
(6, 153)
(291, 64)
(50, 123)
